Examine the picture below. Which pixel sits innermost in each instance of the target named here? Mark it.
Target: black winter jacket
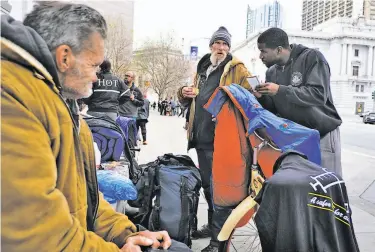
(129, 108)
(106, 93)
(304, 207)
(204, 126)
(304, 94)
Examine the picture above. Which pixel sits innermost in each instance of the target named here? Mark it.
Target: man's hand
(160, 238)
(132, 97)
(268, 88)
(188, 92)
(133, 243)
(256, 94)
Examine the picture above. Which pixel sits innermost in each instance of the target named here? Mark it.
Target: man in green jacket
(49, 197)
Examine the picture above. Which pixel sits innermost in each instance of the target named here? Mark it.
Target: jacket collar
(231, 64)
(132, 86)
(15, 53)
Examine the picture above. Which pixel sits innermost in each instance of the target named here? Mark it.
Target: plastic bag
(115, 186)
(121, 167)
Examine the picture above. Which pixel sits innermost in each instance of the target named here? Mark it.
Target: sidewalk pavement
(166, 135)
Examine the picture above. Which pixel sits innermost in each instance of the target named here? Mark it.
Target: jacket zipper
(95, 180)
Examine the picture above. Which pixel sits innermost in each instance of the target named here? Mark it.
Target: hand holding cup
(190, 92)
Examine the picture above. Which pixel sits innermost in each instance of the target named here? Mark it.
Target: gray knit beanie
(221, 34)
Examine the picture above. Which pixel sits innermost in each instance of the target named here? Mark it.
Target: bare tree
(118, 46)
(163, 65)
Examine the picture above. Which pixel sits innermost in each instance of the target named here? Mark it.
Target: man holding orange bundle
(218, 68)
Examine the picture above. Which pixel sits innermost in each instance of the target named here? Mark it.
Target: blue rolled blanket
(115, 187)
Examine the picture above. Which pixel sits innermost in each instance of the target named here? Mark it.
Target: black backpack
(168, 196)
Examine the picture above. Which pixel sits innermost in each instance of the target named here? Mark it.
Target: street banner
(193, 52)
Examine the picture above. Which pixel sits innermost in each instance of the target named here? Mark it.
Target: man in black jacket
(318, 204)
(129, 108)
(298, 88)
(106, 93)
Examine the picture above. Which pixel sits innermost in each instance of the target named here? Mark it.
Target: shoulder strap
(185, 215)
(134, 169)
(148, 189)
(157, 207)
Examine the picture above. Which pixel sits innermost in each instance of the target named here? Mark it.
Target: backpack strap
(157, 207)
(196, 196)
(184, 210)
(149, 174)
(135, 171)
(146, 188)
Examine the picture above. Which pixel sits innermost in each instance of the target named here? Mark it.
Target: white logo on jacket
(296, 79)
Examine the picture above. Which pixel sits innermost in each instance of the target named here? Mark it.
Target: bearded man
(216, 68)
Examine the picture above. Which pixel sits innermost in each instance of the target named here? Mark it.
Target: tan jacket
(234, 72)
(46, 163)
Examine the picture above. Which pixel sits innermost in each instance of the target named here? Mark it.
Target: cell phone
(253, 81)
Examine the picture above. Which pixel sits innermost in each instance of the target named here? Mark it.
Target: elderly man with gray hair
(50, 199)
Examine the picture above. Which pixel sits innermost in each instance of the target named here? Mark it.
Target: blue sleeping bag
(286, 134)
(128, 126)
(110, 143)
(108, 136)
(115, 186)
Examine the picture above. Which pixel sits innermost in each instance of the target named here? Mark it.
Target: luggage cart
(239, 232)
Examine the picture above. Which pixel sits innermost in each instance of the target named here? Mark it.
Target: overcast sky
(195, 20)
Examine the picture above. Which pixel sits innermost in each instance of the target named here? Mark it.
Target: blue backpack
(168, 196)
(112, 143)
(129, 127)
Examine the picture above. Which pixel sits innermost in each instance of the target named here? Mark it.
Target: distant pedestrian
(178, 108)
(182, 110)
(164, 105)
(159, 105)
(173, 107)
(142, 120)
(168, 110)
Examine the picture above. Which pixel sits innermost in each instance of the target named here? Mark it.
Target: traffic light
(373, 95)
